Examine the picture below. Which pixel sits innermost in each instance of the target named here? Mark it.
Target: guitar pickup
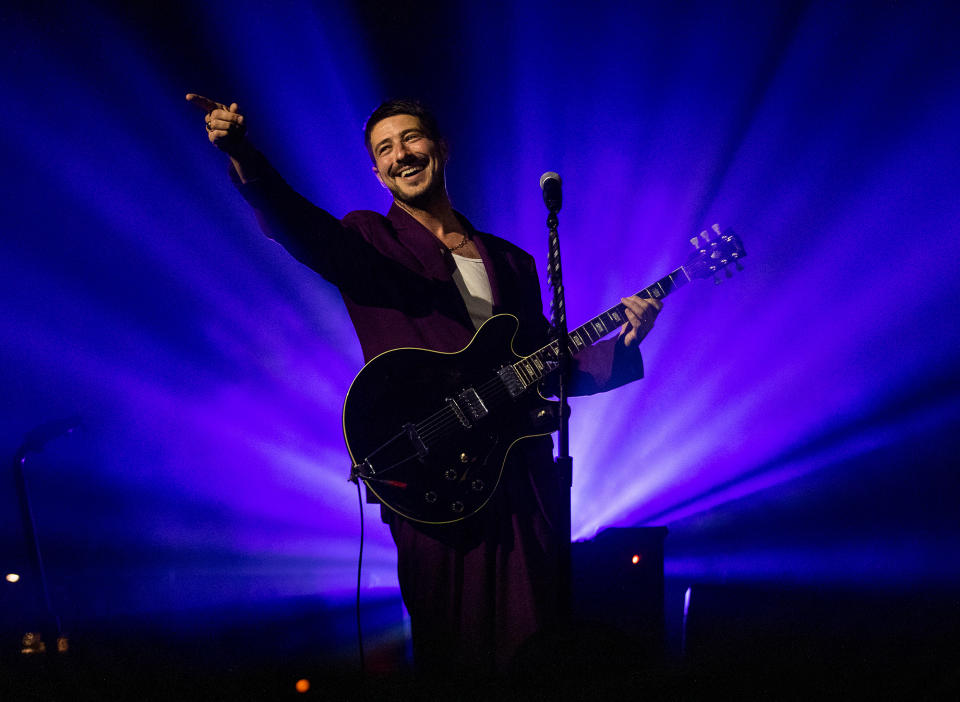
(473, 404)
(510, 378)
(458, 413)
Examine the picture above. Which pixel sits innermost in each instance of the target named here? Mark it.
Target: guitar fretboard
(533, 368)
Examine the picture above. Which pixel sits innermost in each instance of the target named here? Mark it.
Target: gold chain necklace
(459, 246)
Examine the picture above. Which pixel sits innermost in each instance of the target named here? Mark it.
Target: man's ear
(379, 177)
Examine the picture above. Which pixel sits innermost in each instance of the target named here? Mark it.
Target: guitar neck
(541, 363)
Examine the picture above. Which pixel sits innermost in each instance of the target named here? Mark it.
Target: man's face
(406, 161)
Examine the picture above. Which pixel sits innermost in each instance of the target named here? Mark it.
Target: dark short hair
(403, 106)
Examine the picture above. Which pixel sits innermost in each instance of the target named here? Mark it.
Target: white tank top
(474, 286)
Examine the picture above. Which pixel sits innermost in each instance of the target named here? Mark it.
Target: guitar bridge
(415, 439)
(391, 454)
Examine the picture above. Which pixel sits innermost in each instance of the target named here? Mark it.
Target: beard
(423, 200)
(435, 192)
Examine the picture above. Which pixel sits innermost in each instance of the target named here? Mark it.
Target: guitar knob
(430, 497)
(476, 485)
(450, 474)
(464, 458)
(457, 506)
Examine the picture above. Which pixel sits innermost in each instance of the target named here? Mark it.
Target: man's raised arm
(309, 233)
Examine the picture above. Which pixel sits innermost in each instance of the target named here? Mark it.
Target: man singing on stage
(422, 277)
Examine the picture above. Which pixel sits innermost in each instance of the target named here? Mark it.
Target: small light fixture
(13, 577)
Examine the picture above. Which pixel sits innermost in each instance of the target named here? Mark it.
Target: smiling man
(422, 276)
(409, 159)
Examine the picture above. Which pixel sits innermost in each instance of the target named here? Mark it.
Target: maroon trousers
(479, 590)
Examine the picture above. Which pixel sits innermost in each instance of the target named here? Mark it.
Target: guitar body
(423, 446)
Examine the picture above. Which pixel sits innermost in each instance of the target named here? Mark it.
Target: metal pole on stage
(550, 183)
(34, 442)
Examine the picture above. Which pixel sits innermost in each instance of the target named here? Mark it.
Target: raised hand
(226, 127)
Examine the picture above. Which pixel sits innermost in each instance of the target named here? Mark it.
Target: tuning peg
(716, 228)
(739, 266)
(695, 242)
(716, 279)
(705, 234)
(728, 272)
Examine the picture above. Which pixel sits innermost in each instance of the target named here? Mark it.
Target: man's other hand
(226, 127)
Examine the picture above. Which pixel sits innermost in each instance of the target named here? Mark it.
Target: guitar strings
(490, 393)
(389, 468)
(441, 422)
(445, 419)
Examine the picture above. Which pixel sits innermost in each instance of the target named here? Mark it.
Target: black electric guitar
(429, 432)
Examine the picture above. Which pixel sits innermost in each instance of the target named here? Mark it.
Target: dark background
(797, 428)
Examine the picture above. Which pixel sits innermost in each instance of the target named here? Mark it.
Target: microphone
(550, 183)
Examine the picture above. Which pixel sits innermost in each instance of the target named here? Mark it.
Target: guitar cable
(363, 668)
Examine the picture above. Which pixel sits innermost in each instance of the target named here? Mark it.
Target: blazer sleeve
(309, 233)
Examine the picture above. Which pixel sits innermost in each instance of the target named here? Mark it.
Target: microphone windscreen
(549, 175)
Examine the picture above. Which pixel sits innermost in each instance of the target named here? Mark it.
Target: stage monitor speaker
(617, 585)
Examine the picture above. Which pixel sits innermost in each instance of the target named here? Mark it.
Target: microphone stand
(34, 442)
(564, 460)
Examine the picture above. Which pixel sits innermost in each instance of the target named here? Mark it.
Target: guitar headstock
(714, 252)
